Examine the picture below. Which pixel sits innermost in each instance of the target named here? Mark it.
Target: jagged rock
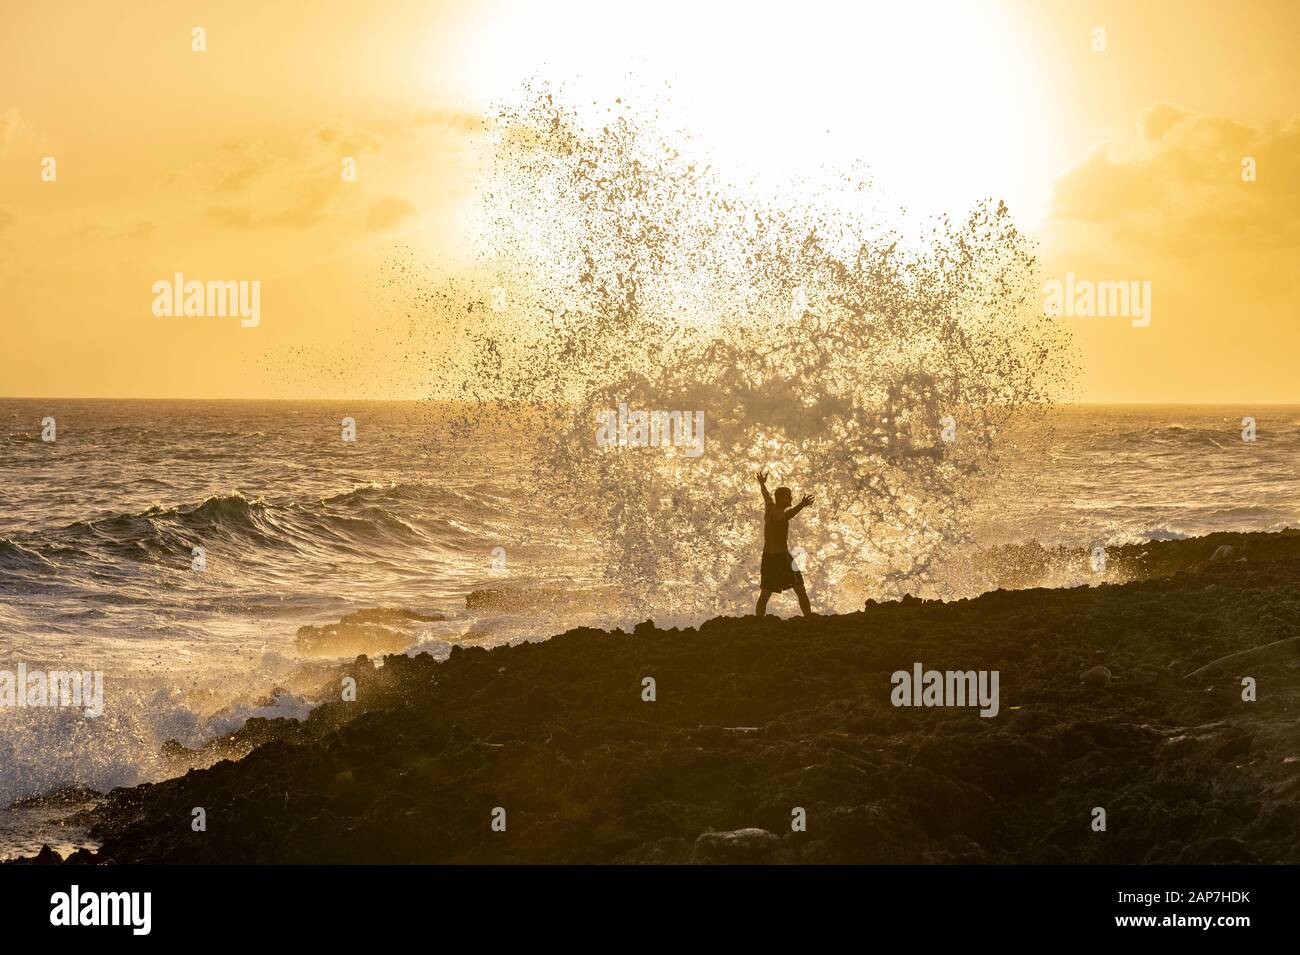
(738, 845)
(46, 856)
(1097, 676)
(557, 733)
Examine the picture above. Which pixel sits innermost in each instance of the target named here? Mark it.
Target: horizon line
(1059, 404)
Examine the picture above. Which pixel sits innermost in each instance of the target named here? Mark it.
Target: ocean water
(1128, 473)
(299, 527)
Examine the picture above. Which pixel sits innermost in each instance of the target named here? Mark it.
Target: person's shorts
(778, 572)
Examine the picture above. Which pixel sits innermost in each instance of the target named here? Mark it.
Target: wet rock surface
(558, 735)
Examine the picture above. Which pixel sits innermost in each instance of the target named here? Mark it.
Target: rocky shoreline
(1127, 698)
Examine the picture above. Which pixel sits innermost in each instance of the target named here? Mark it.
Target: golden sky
(1124, 162)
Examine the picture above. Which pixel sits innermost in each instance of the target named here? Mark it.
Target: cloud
(453, 119)
(13, 131)
(1182, 191)
(243, 162)
(388, 212)
(296, 205)
(1171, 207)
(343, 140)
(289, 184)
(95, 231)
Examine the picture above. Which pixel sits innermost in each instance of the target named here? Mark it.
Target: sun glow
(940, 104)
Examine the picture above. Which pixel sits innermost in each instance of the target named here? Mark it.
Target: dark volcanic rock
(557, 735)
(46, 856)
(740, 845)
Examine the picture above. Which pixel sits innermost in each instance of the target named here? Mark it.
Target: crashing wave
(876, 373)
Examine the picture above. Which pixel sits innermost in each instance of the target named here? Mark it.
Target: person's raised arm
(807, 500)
(762, 483)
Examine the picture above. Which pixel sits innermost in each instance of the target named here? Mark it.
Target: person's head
(784, 496)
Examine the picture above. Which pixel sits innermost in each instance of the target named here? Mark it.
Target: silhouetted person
(778, 572)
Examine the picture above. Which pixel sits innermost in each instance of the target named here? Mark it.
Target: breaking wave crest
(366, 520)
(877, 373)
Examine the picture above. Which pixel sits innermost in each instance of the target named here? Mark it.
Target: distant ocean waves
(1122, 474)
(367, 521)
(314, 551)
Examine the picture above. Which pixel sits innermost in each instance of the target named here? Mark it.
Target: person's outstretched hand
(762, 477)
(807, 499)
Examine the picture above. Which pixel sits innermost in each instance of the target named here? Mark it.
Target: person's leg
(802, 594)
(761, 609)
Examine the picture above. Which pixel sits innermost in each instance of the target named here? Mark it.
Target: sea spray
(878, 373)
